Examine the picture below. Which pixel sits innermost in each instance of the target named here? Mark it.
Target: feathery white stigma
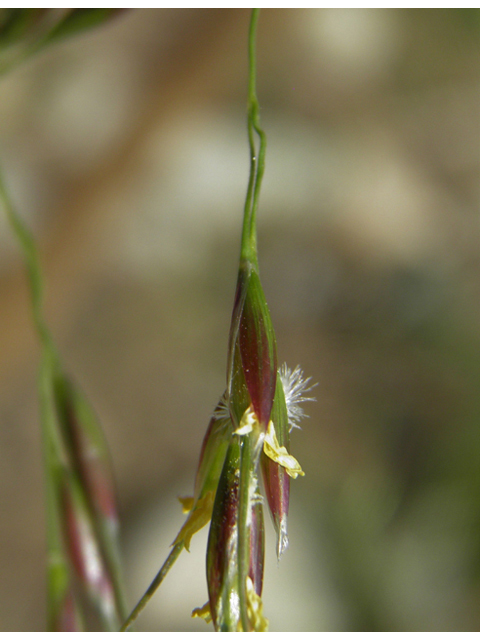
(222, 411)
(294, 386)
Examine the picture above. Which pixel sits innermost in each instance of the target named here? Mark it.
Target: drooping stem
(257, 156)
(142, 603)
(248, 255)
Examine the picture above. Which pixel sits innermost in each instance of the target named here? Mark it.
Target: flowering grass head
(249, 431)
(256, 398)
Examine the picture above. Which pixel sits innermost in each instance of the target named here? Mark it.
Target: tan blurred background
(125, 149)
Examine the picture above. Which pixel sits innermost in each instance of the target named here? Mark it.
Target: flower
(257, 398)
(277, 464)
(250, 428)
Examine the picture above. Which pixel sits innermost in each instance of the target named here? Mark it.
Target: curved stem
(57, 572)
(248, 254)
(27, 244)
(54, 433)
(142, 603)
(257, 158)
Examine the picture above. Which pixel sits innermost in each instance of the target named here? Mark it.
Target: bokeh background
(125, 150)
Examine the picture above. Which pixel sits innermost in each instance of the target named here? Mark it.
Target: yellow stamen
(198, 517)
(203, 612)
(187, 504)
(280, 455)
(247, 423)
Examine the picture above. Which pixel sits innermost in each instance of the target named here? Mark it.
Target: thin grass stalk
(248, 257)
(61, 456)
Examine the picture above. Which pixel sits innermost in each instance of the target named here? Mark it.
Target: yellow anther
(247, 423)
(279, 454)
(203, 612)
(198, 517)
(187, 504)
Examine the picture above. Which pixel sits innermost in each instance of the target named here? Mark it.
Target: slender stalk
(50, 360)
(58, 450)
(257, 158)
(248, 254)
(57, 564)
(27, 244)
(156, 582)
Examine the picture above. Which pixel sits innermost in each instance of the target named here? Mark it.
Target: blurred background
(125, 150)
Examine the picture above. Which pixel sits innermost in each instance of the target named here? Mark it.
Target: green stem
(54, 449)
(27, 244)
(257, 157)
(246, 464)
(248, 254)
(167, 565)
(57, 564)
